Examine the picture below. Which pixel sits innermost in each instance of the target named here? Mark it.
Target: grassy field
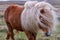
(22, 36)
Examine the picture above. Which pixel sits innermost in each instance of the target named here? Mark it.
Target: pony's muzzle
(48, 33)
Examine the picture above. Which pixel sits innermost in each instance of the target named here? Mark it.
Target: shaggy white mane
(30, 15)
(30, 4)
(27, 20)
(51, 10)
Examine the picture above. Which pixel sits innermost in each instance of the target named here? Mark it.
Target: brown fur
(12, 19)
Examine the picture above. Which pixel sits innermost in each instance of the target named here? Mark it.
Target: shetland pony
(30, 18)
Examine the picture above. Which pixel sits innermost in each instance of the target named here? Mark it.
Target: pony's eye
(42, 11)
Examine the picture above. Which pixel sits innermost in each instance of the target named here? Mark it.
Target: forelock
(44, 4)
(30, 4)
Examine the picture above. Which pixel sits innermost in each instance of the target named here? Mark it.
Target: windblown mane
(30, 16)
(27, 17)
(52, 20)
(30, 4)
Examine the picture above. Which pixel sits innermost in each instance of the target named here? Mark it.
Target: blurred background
(21, 35)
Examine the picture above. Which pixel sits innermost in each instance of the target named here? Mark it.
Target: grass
(22, 36)
(2, 35)
(1, 20)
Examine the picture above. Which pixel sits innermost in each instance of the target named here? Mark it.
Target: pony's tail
(6, 14)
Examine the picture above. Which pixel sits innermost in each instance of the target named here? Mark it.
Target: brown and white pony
(30, 18)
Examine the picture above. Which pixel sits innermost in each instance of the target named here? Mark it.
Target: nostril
(47, 34)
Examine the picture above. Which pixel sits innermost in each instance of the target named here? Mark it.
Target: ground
(21, 35)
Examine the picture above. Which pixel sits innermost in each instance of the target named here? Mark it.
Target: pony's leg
(31, 36)
(9, 32)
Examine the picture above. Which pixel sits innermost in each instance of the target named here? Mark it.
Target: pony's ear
(58, 12)
(52, 7)
(55, 9)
